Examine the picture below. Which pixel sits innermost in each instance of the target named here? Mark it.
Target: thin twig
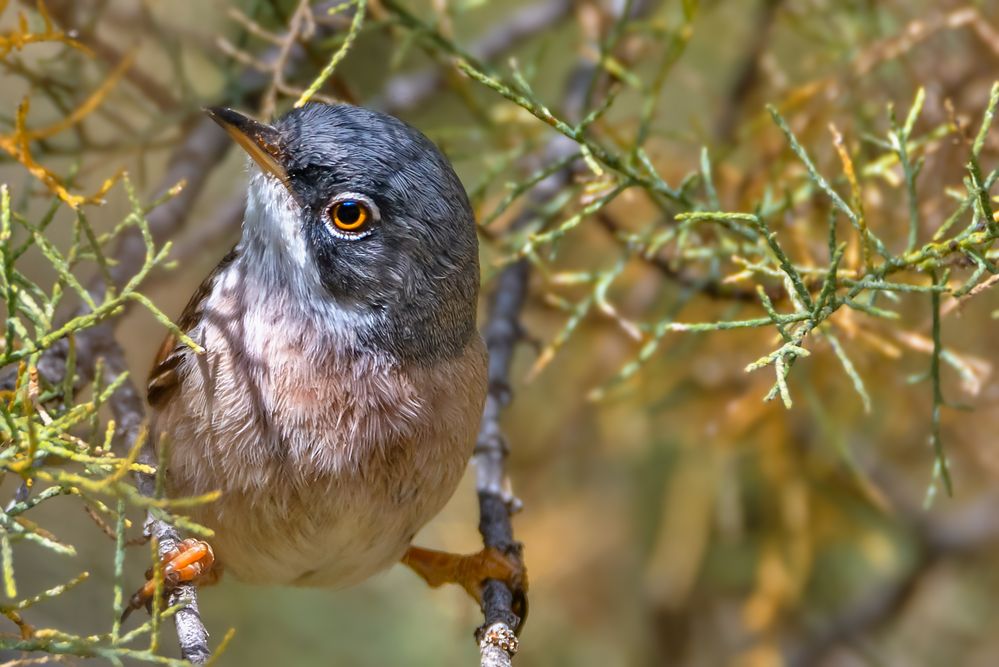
(63, 14)
(406, 92)
(128, 409)
(192, 161)
(497, 640)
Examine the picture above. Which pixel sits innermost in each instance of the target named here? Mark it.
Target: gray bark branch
(497, 638)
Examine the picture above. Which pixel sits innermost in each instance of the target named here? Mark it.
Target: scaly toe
(491, 563)
(189, 561)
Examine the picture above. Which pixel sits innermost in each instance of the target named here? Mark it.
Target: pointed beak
(260, 141)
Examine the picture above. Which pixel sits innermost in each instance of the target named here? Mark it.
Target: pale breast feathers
(305, 435)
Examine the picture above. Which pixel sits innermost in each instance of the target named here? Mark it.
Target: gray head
(366, 220)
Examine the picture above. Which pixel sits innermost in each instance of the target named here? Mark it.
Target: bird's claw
(491, 563)
(471, 572)
(189, 561)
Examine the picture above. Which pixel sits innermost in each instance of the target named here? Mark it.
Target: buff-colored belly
(325, 471)
(327, 533)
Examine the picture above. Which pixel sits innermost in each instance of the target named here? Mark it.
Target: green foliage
(813, 240)
(54, 439)
(746, 242)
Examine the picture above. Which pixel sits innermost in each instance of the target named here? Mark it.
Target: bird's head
(359, 213)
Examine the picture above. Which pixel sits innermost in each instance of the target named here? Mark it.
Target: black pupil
(348, 212)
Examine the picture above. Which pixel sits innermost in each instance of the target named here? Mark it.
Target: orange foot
(470, 572)
(190, 561)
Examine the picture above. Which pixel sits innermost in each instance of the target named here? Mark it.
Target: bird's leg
(470, 572)
(189, 562)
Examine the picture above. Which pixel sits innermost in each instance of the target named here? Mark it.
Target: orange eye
(349, 215)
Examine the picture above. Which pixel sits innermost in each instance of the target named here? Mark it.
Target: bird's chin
(268, 186)
(272, 230)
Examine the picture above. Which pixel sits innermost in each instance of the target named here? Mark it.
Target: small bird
(336, 403)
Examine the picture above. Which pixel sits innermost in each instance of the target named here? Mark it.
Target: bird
(335, 400)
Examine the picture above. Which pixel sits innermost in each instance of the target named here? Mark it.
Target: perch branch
(128, 409)
(497, 640)
(191, 163)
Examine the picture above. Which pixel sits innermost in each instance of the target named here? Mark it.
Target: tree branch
(128, 409)
(405, 92)
(191, 164)
(497, 640)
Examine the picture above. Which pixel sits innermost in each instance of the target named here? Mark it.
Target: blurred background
(680, 519)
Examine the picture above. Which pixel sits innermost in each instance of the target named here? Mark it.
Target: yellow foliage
(17, 144)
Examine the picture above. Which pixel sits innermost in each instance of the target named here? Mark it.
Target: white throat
(275, 259)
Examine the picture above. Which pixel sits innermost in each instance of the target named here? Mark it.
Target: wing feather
(164, 379)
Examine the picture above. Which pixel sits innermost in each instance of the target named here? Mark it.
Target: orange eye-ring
(349, 215)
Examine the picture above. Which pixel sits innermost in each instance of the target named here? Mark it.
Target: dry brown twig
(17, 144)
(302, 27)
(63, 12)
(954, 303)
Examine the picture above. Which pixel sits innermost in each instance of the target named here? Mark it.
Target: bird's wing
(164, 378)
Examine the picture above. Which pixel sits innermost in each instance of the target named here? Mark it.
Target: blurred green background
(681, 520)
